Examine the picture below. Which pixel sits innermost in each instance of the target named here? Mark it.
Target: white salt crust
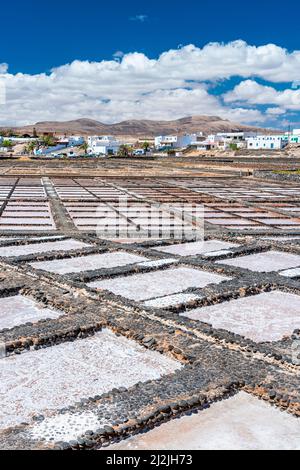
(42, 381)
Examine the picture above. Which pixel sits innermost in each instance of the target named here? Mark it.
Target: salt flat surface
(217, 253)
(246, 227)
(22, 213)
(33, 228)
(281, 238)
(48, 379)
(242, 422)
(264, 262)
(230, 221)
(295, 272)
(292, 209)
(42, 247)
(91, 215)
(258, 215)
(171, 300)
(18, 310)
(90, 262)
(157, 262)
(101, 221)
(234, 209)
(280, 221)
(196, 248)
(264, 317)
(159, 283)
(25, 221)
(23, 205)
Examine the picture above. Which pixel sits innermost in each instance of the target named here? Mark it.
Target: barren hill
(142, 128)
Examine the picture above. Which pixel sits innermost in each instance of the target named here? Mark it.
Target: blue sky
(40, 36)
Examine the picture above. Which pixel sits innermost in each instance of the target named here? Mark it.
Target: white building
(267, 142)
(103, 145)
(235, 137)
(295, 137)
(212, 142)
(175, 141)
(71, 141)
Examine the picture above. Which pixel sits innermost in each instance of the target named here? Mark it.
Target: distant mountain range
(139, 128)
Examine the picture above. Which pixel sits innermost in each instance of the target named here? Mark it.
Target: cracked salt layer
(264, 317)
(18, 310)
(159, 283)
(48, 379)
(264, 262)
(171, 300)
(242, 422)
(42, 248)
(196, 248)
(90, 262)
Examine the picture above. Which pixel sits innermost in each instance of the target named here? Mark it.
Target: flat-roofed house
(103, 145)
(267, 142)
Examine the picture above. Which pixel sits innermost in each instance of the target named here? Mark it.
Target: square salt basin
(256, 215)
(281, 221)
(49, 379)
(102, 221)
(20, 250)
(295, 272)
(197, 248)
(31, 228)
(24, 214)
(246, 227)
(87, 263)
(264, 262)
(171, 300)
(292, 209)
(242, 422)
(18, 310)
(160, 283)
(281, 239)
(25, 221)
(264, 317)
(230, 221)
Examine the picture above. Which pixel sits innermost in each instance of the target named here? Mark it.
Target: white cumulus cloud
(253, 93)
(174, 85)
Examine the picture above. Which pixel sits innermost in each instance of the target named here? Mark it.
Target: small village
(51, 145)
